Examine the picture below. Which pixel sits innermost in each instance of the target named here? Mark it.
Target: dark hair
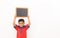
(21, 20)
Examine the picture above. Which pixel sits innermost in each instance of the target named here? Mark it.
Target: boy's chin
(21, 26)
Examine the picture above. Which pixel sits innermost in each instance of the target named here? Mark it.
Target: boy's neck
(20, 26)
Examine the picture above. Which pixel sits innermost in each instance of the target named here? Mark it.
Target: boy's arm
(28, 25)
(14, 21)
(29, 21)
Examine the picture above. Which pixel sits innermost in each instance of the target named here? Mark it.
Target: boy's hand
(28, 17)
(15, 17)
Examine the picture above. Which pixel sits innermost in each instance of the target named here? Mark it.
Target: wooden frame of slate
(21, 12)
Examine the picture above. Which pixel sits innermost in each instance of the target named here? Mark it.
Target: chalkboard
(22, 12)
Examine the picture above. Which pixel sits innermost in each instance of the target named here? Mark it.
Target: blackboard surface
(21, 12)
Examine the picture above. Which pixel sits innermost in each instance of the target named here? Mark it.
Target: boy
(21, 28)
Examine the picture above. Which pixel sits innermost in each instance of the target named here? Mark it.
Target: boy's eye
(20, 23)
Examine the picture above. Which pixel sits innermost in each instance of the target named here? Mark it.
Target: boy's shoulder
(22, 27)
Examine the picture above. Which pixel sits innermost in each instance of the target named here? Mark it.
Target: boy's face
(21, 23)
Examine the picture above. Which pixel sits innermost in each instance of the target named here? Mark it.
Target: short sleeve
(16, 27)
(27, 26)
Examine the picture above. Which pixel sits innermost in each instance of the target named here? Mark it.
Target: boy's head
(21, 22)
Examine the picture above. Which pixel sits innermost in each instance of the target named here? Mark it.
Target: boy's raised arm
(14, 21)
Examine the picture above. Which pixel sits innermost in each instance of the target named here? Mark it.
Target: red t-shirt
(21, 31)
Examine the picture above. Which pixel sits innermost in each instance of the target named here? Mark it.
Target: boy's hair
(21, 20)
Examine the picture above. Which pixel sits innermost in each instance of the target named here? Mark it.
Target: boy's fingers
(28, 16)
(15, 17)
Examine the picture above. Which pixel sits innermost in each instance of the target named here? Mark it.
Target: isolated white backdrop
(44, 15)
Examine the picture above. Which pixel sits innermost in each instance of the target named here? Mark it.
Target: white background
(44, 16)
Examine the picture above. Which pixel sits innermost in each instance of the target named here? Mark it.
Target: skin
(21, 23)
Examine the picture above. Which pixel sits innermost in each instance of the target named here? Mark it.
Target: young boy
(21, 28)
